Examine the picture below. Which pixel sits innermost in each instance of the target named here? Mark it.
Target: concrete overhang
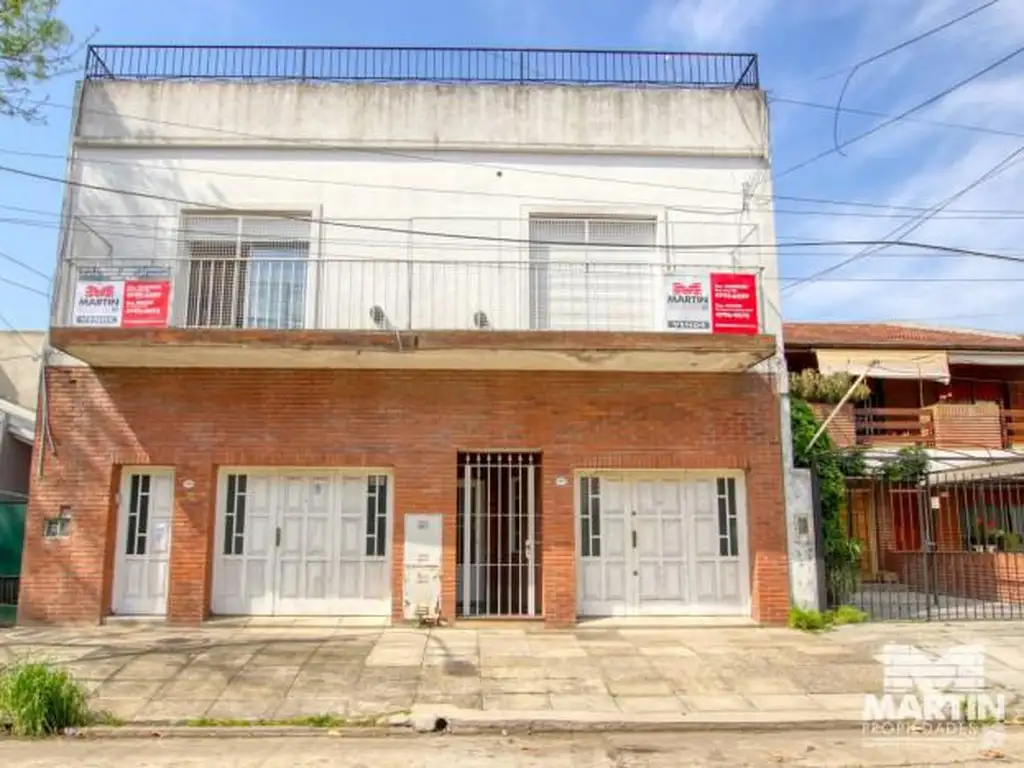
(468, 350)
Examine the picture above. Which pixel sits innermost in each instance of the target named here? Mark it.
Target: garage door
(302, 544)
(652, 546)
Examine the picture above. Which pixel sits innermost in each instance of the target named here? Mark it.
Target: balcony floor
(468, 350)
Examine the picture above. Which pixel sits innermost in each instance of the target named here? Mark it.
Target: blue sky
(806, 49)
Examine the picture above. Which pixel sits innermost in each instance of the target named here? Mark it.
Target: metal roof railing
(409, 64)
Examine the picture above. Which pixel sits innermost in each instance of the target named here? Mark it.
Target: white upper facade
(418, 205)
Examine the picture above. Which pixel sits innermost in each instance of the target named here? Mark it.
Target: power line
(128, 230)
(874, 113)
(907, 228)
(21, 337)
(901, 116)
(889, 51)
(24, 266)
(24, 287)
(498, 239)
(982, 215)
(494, 166)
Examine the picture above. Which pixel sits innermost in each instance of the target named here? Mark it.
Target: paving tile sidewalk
(149, 673)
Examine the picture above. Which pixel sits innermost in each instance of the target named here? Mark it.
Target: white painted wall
(458, 159)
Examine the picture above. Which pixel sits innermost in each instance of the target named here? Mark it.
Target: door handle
(634, 539)
(277, 537)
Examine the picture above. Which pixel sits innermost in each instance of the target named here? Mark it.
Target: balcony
(943, 425)
(1013, 428)
(279, 308)
(894, 426)
(523, 66)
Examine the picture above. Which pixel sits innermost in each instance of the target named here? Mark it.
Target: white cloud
(707, 23)
(914, 164)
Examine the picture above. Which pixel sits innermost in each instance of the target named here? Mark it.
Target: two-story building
(328, 300)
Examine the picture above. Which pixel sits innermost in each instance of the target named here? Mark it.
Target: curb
(472, 723)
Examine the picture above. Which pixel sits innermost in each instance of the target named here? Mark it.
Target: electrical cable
(707, 210)
(907, 228)
(462, 236)
(901, 116)
(889, 51)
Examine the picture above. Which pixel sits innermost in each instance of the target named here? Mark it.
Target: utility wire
(874, 113)
(707, 210)
(24, 266)
(907, 228)
(22, 286)
(903, 115)
(462, 236)
(145, 233)
(493, 166)
(887, 52)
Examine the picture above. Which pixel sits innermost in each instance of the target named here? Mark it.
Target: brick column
(191, 562)
(556, 520)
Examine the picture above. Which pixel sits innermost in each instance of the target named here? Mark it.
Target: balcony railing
(942, 425)
(894, 426)
(413, 294)
(1013, 428)
(406, 64)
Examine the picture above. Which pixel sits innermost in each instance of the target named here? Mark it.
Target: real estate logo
(936, 696)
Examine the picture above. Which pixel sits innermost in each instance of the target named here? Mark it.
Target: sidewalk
(225, 670)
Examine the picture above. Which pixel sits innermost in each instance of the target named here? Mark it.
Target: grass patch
(37, 699)
(822, 621)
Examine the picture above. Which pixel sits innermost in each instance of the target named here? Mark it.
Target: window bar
(979, 513)
(517, 534)
(531, 545)
(236, 276)
(488, 552)
(467, 536)
(503, 557)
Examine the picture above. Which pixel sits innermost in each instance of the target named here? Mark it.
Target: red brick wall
(997, 576)
(843, 427)
(968, 426)
(411, 422)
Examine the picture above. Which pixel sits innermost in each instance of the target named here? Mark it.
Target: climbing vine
(842, 552)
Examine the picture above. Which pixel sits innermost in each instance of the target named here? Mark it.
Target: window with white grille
(596, 274)
(246, 271)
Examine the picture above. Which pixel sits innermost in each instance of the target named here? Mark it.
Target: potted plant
(986, 536)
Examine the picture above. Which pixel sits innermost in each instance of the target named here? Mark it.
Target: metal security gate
(498, 530)
(945, 545)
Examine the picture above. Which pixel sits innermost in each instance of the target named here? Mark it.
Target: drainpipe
(840, 404)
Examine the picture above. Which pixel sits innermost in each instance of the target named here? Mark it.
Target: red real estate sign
(147, 304)
(734, 303)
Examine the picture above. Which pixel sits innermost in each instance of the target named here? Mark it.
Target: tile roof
(895, 335)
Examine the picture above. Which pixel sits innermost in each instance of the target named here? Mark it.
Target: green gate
(12, 538)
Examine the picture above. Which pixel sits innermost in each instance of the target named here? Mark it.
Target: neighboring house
(374, 319)
(933, 387)
(952, 535)
(20, 356)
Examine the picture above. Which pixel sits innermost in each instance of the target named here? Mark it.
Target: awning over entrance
(987, 358)
(886, 363)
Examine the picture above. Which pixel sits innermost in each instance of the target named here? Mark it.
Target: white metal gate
(651, 545)
(143, 543)
(497, 535)
(303, 543)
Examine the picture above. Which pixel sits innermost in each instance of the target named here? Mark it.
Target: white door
(661, 546)
(143, 543)
(304, 567)
(302, 544)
